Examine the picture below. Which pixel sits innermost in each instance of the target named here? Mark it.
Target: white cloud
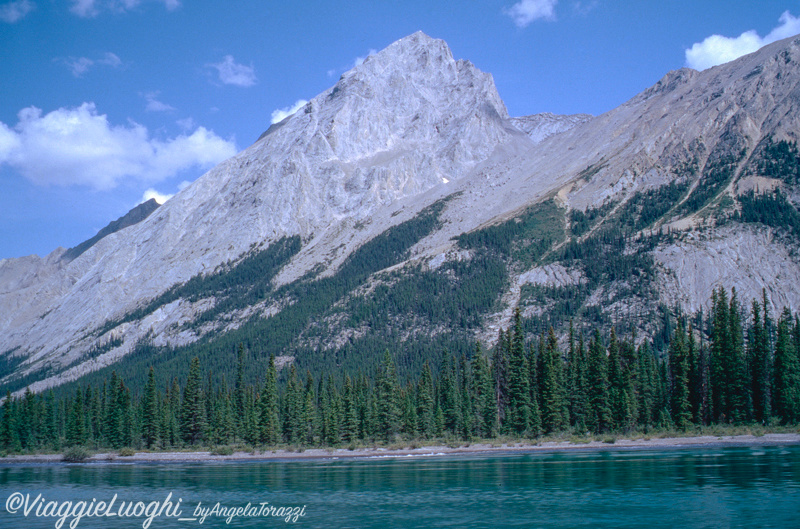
(84, 8)
(283, 113)
(717, 49)
(360, 60)
(154, 105)
(78, 66)
(232, 73)
(186, 123)
(12, 12)
(110, 59)
(586, 7)
(526, 11)
(92, 8)
(152, 193)
(78, 146)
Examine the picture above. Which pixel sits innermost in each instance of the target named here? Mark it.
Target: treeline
(738, 368)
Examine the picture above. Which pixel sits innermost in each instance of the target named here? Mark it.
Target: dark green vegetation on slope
(346, 321)
(746, 370)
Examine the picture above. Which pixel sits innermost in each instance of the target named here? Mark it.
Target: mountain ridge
(405, 129)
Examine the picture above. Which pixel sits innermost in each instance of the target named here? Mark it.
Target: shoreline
(521, 447)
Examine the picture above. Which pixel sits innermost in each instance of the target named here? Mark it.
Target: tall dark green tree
(787, 373)
(553, 395)
(680, 404)
(268, 408)
(193, 408)
(598, 418)
(518, 416)
(150, 412)
(387, 393)
(426, 404)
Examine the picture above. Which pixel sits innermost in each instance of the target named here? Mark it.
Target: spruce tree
(388, 406)
(150, 417)
(680, 404)
(553, 393)
(519, 389)
(425, 403)
(193, 411)
(598, 418)
(787, 373)
(268, 408)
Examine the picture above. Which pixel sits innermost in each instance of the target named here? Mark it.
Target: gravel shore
(476, 448)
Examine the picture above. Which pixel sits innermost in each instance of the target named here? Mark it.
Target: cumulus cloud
(283, 113)
(152, 193)
(12, 12)
(235, 74)
(154, 105)
(78, 146)
(526, 11)
(92, 8)
(717, 49)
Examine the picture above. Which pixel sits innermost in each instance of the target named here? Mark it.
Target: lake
(686, 488)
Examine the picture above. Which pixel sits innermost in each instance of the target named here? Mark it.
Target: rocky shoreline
(775, 439)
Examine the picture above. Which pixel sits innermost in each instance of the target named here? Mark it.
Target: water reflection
(730, 487)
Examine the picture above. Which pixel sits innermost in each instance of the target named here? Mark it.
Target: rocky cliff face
(408, 127)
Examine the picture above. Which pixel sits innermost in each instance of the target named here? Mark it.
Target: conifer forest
(735, 365)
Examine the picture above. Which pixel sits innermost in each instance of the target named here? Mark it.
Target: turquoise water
(687, 488)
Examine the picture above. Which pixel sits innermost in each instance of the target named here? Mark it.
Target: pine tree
(193, 411)
(680, 404)
(293, 426)
(485, 410)
(350, 430)
(598, 418)
(740, 397)
(388, 407)
(787, 373)
(268, 409)
(150, 411)
(500, 370)
(425, 402)
(450, 399)
(518, 420)
(239, 393)
(760, 360)
(553, 392)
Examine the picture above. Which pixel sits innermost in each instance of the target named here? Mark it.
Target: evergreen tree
(350, 426)
(787, 373)
(193, 411)
(425, 402)
(269, 420)
(150, 411)
(388, 408)
(518, 420)
(239, 393)
(680, 404)
(485, 410)
(293, 426)
(450, 399)
(500, 369)
(760, 360)
(598, 418)
(553, 397)
(576, 381)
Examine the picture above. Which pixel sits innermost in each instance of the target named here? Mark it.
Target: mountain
(403, 208)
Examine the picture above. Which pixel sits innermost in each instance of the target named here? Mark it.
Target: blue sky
(106, 102)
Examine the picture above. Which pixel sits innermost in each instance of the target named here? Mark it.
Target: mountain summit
(404, 205)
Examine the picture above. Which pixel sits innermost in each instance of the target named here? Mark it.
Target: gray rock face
(408, 126)
(541, 126)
